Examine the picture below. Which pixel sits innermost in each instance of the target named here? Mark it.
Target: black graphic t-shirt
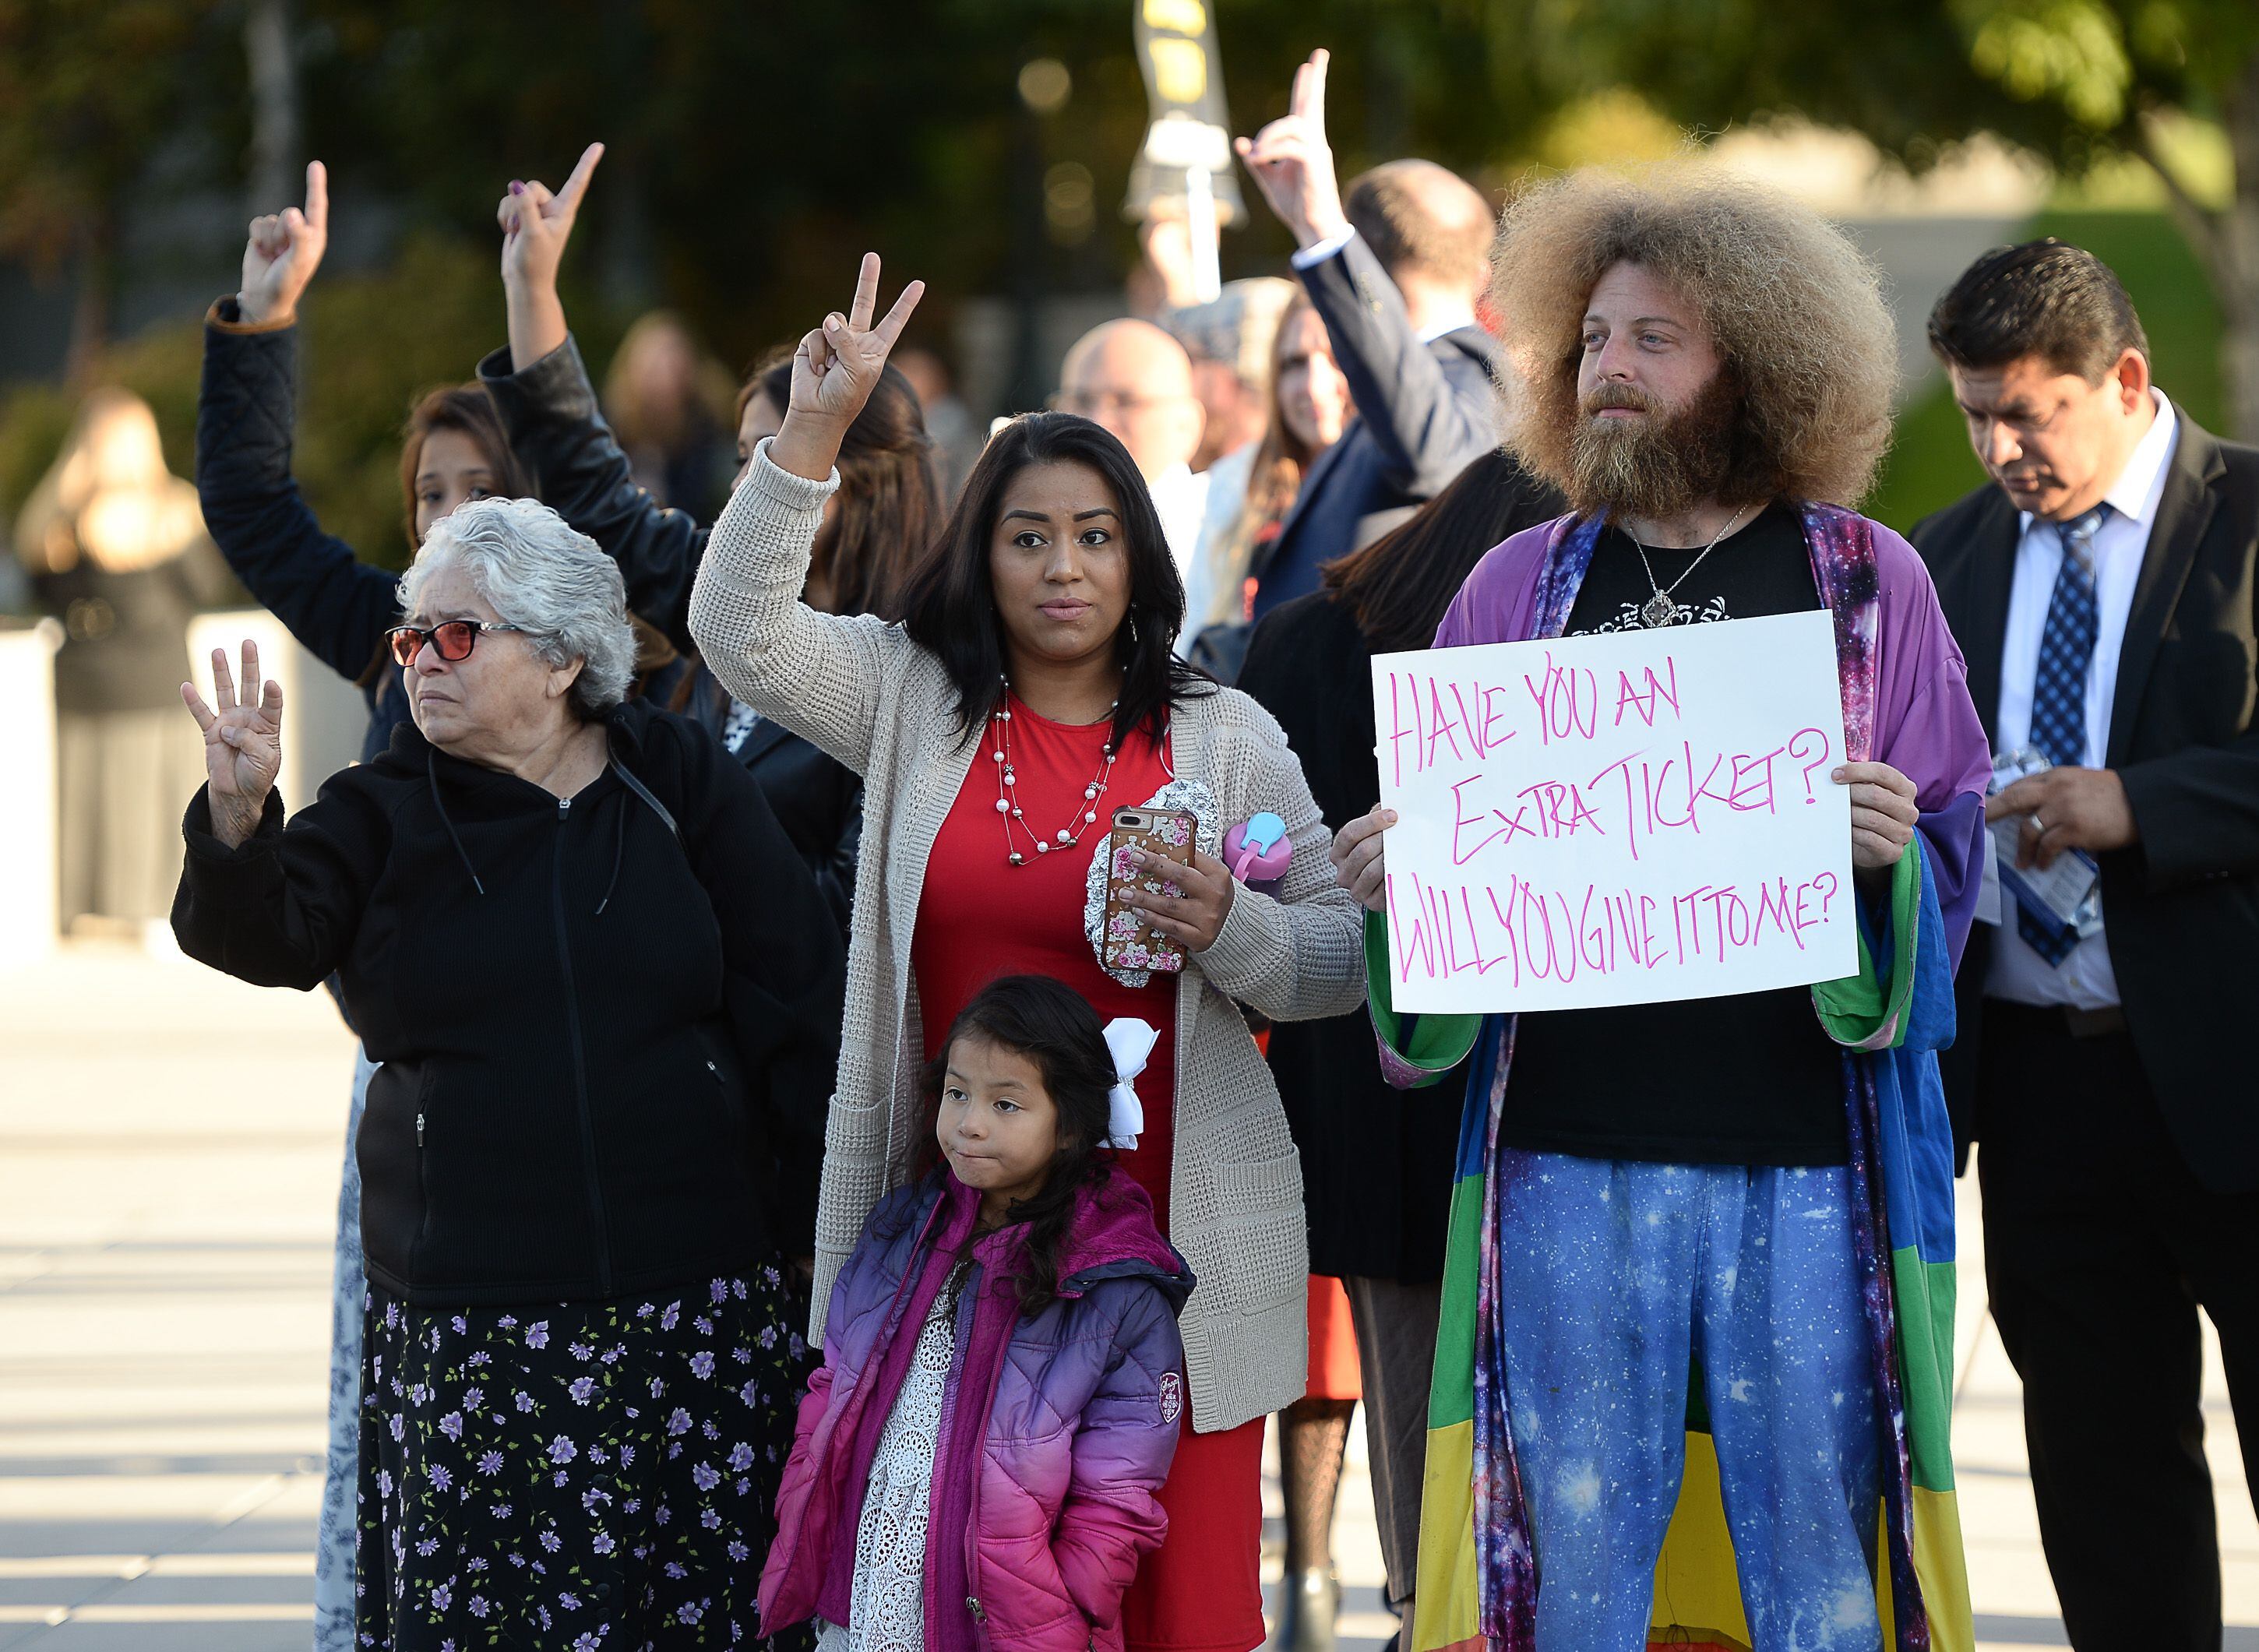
(1764, 569)
(1745, 1079)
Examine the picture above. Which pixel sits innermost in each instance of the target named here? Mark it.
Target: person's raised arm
(1292, 163)
(834, 372)
(333, 602)
(1426, 428)
(818, 674)
(273, 905)
(536, 224)
(284, 251)
(541, 388)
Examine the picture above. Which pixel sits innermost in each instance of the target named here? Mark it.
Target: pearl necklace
(1007, 796)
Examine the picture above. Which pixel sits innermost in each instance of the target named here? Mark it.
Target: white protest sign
(1620, 819)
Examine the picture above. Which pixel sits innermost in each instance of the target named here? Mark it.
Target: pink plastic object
(1257, 851)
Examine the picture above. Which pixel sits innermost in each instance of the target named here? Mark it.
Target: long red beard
(1658, 465)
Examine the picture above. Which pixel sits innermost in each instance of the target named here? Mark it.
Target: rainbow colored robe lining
(1905, 702)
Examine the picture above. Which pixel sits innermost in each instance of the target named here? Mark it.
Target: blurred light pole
(1184, 163)
(269, 46)
(1045, 87)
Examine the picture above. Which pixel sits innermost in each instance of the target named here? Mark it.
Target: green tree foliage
(755, 151)
(90, 90)
(2081, 82)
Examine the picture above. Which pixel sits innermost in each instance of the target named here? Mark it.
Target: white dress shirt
(1206, 601)
(2084, 981)
(1181, 498)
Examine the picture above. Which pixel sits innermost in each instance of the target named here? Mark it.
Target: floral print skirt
(583, 1475)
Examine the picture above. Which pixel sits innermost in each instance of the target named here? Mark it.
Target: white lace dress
(886, 1608)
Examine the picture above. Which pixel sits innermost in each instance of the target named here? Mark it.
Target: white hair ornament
(1130, 1042)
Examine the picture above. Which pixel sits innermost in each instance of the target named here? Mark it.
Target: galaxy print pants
(1633, 1299)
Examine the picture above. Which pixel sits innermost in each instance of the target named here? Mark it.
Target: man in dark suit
(2103, 595)
(1394, 272)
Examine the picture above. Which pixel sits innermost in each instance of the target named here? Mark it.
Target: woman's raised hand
(243, 744)
(284, 251)
(535, 227)
(834, 372)
(536, 224)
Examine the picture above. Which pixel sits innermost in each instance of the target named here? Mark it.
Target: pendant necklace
(1662, 608)
(1007, 796)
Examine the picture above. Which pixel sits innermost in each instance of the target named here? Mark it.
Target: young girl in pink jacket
(978, 1459)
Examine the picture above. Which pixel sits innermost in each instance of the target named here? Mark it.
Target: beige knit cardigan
(860, 689)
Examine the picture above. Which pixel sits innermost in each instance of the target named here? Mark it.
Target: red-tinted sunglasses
(453, 638)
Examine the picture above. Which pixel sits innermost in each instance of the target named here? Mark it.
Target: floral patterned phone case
(1130, 943)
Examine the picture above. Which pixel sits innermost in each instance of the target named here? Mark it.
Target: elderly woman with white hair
(606, 994)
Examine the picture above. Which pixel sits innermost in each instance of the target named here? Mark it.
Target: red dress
(980, 917)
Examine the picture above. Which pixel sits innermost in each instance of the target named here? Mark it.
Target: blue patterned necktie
(2059, 690)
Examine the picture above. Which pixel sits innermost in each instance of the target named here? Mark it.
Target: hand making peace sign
(1293, 165)
(284, 251)
(834, 372)
(243, 744)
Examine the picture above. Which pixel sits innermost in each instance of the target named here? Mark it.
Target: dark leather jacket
(818, 801)
(559, 431)
(338, 606)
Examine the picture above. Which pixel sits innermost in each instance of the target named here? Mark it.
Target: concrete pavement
(169, 1143)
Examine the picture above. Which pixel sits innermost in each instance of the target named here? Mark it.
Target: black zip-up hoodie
(608, 1026)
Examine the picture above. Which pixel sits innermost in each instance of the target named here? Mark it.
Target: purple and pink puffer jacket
(1056, 1430)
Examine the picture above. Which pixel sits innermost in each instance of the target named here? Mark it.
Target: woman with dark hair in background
(452, 450)
(1310, 403)
(885, 512)
(1376, 1161)
(1030, 690)
(338, 608)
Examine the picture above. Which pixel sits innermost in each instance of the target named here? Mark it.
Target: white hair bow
(1130, 1042)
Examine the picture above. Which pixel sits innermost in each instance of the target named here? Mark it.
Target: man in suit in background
(1394, 272)
(2103, 595)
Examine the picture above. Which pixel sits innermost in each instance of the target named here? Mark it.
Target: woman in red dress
(1029, 691)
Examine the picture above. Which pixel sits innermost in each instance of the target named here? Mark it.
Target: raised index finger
(867, 294)
(317, 194)
(584, 169)
(1309, 100)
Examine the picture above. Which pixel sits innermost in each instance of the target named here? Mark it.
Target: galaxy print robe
(1905, 702)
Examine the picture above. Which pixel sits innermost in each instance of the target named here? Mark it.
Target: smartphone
(1130, 943)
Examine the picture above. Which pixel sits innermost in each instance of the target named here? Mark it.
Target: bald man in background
(1137, 380)
(1395, 271)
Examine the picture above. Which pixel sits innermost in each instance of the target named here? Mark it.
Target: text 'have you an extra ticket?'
(1620, 819)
